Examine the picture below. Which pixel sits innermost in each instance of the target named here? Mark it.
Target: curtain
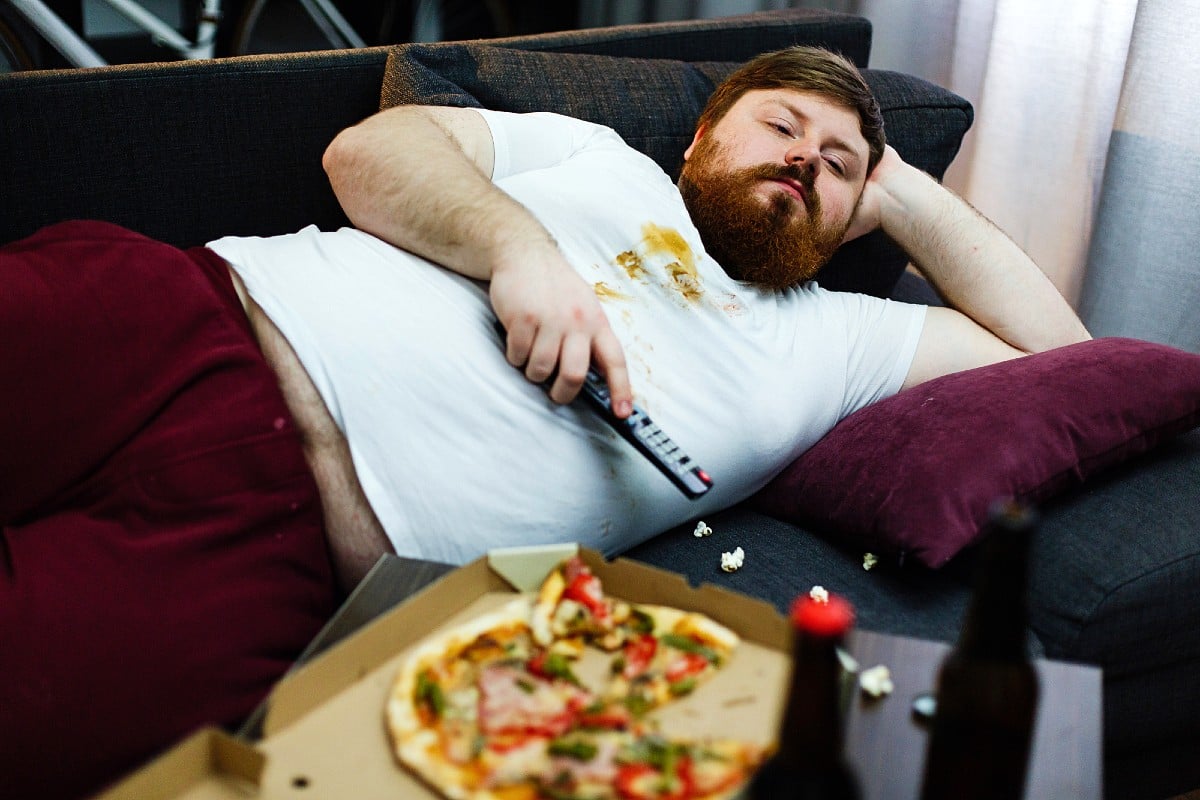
(1143, 275)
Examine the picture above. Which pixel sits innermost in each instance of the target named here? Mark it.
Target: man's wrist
(516, 252)
(904, 194)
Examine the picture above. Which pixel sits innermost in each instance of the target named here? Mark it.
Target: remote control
(642, 432)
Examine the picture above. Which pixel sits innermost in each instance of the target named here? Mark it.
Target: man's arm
(1004, 306)
(419, 178)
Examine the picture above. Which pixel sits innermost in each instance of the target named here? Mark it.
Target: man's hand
(555, 326)
(868, 215)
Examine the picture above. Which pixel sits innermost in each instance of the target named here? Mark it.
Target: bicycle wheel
(18, 43)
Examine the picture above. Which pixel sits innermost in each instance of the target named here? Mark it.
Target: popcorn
(733, 561)
(819, 593)
(702, 530)
(876, 681)
(869, 560)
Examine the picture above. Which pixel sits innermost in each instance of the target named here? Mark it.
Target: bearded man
(694, 299)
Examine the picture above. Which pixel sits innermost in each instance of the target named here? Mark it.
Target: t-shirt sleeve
(882, 342)
(538, 140)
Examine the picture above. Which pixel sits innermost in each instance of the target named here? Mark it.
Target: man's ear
(688, 153)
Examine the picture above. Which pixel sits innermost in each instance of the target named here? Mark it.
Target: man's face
(773, 185)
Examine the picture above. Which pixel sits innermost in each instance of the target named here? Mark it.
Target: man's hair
(804, 69)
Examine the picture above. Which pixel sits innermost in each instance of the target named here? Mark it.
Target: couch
(185, 152)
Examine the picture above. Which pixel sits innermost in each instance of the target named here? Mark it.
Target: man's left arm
(1003, 305)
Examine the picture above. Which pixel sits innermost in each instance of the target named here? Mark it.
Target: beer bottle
(987, 689)
(809, 763)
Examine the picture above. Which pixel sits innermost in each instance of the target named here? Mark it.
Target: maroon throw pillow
(915, 474)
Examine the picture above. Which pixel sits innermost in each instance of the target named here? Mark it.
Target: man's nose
(803, 154)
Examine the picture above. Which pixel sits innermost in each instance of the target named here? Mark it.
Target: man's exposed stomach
(356, 538)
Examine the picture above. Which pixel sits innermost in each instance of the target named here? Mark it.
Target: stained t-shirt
(458, 453)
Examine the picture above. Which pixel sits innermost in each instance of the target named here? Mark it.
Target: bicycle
(25, 24)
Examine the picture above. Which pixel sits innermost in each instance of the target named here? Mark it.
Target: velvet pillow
(654, 103)
(914, 475)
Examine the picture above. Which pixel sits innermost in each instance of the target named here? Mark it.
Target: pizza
(551, 697)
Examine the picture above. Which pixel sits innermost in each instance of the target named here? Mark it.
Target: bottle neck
(812, 722)
(998, 614)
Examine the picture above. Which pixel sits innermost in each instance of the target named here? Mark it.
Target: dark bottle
(809, 763)
(987, 690)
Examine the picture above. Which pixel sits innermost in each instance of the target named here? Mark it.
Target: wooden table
(885, 743)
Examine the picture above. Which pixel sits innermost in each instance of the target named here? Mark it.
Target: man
(587, 254)
(146, 552)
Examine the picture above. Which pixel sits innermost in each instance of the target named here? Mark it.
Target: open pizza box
(324, 733)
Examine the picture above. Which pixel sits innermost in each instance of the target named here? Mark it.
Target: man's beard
(765, 244)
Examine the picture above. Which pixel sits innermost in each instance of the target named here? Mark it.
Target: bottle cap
(832, 617)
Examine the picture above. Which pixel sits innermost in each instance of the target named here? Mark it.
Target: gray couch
(187, 152)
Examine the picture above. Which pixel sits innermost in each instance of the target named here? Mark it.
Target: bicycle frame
(79, 53)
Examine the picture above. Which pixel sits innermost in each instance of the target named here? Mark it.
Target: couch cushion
(654, 103)
(784, 561)
(914, 475)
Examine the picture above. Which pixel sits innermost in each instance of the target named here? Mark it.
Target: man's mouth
(794, 188)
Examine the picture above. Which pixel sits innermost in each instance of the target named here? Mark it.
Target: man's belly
(356, 538)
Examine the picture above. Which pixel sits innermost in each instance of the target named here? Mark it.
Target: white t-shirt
(458, 453)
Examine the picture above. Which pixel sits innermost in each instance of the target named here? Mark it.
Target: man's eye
(781, 127)
(836, 166)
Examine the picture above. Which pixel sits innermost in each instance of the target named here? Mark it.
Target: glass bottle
(987, 689)
(809, 763)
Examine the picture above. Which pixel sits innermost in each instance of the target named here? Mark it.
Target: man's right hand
(556, 326)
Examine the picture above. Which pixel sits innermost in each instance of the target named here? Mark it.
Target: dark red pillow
(914, 475)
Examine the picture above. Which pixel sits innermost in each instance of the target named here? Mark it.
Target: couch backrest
(653, 103)
(186, 152)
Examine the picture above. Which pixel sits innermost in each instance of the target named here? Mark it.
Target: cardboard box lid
(208, 765)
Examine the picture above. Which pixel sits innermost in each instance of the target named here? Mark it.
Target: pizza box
(208, 765)
(323, 732)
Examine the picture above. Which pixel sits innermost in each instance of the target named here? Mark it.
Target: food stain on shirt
(687, 282)
(606, 292)
(732, 306)
(660, 246)
(631, 262)
(669, 243)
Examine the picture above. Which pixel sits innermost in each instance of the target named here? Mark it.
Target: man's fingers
(573, 363)
(610, 359)
(543, 356)
(518, 340)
